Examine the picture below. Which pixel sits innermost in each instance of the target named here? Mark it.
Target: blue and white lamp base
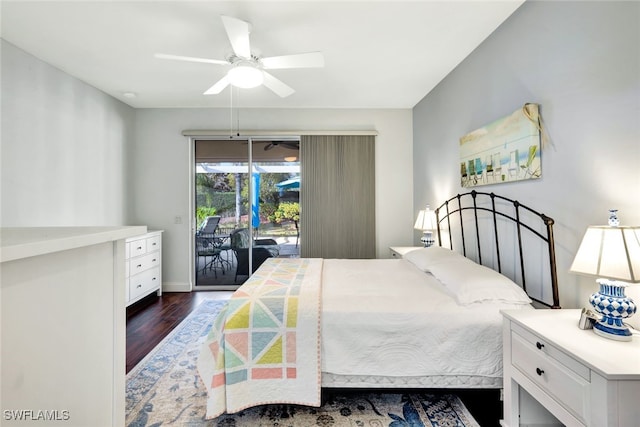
(614, 306)
(427, 239)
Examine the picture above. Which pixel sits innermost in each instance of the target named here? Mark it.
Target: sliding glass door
(246, 207)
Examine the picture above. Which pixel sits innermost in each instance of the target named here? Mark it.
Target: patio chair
(239, 238)
(208, 227)
(260, 255)
(212, 261)
(262, 249)
(207, 245)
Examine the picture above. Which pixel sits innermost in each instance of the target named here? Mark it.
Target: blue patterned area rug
(164, 389)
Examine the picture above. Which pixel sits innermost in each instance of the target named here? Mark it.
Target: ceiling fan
(248, 70)
(291, 145)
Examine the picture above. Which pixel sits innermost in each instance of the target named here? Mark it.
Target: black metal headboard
(500, 229)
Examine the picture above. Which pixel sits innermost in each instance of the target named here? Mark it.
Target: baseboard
(176, 287)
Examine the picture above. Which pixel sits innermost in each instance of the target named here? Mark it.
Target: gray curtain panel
(337, 198)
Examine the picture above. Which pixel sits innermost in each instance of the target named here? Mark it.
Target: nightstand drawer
(561, 357)
(547, 367)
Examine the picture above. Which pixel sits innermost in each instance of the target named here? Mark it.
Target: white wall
(160, 169)
(581, 62)
(72, 155)
(63, 145)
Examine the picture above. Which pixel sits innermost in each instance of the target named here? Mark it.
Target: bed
(429, 320)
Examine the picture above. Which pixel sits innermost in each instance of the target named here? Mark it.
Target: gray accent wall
(581, 62)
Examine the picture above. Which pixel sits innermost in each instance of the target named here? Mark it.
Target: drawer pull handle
(153, 244)
(139, 247)
(539, 371)
(539, 345)
(154, 260)
(139, 286)
(153, 278)
(139, 265)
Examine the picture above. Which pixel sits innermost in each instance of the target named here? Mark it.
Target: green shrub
(286, 211)
(202, 212)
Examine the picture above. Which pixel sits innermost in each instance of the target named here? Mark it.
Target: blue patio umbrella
(289, 184)
(255, 203)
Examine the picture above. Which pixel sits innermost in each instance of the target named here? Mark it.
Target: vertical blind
(337, 203)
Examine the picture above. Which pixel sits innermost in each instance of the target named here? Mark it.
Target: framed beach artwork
(506, 150)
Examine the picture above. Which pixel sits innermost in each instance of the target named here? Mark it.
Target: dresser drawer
(557, 374)
(144, 262)
(137, 247)
(154, 243)
(142, 283)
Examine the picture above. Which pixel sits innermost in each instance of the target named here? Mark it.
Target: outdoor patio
(217, 277)
(222, 199)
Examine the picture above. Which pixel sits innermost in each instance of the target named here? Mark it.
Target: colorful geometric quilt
(264, 347)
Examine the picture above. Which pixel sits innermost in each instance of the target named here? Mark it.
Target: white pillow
(470, 282)
(424, 258)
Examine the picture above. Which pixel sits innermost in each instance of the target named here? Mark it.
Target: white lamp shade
(245, 76)
(426, 220)
(609, 252)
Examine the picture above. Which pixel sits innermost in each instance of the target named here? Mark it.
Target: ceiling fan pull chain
(238, 111)
(231, 113)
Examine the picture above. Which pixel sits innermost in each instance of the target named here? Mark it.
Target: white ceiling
(378, 54)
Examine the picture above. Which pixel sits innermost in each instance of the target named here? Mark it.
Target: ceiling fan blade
(238, 33)
(191, 59)
(301, 60)
(277, 86)
(218, 87)
(291, 145)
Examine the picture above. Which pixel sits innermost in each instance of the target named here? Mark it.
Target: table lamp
(427, 223)
(611, 253)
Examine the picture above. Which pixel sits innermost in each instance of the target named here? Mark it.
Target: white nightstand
(553, 367)
(400, 251)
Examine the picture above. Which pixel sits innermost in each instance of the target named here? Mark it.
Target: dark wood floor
(152, 318)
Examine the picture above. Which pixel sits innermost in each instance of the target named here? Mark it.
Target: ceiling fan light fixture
(245, 76)
(247, 69)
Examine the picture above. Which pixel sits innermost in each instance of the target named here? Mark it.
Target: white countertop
(24, 242)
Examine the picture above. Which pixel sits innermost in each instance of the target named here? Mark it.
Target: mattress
(386, 323)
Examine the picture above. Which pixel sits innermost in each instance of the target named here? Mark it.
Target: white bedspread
(388, 318)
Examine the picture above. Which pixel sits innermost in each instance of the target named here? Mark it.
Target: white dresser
(143, 268)
(558, 374)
